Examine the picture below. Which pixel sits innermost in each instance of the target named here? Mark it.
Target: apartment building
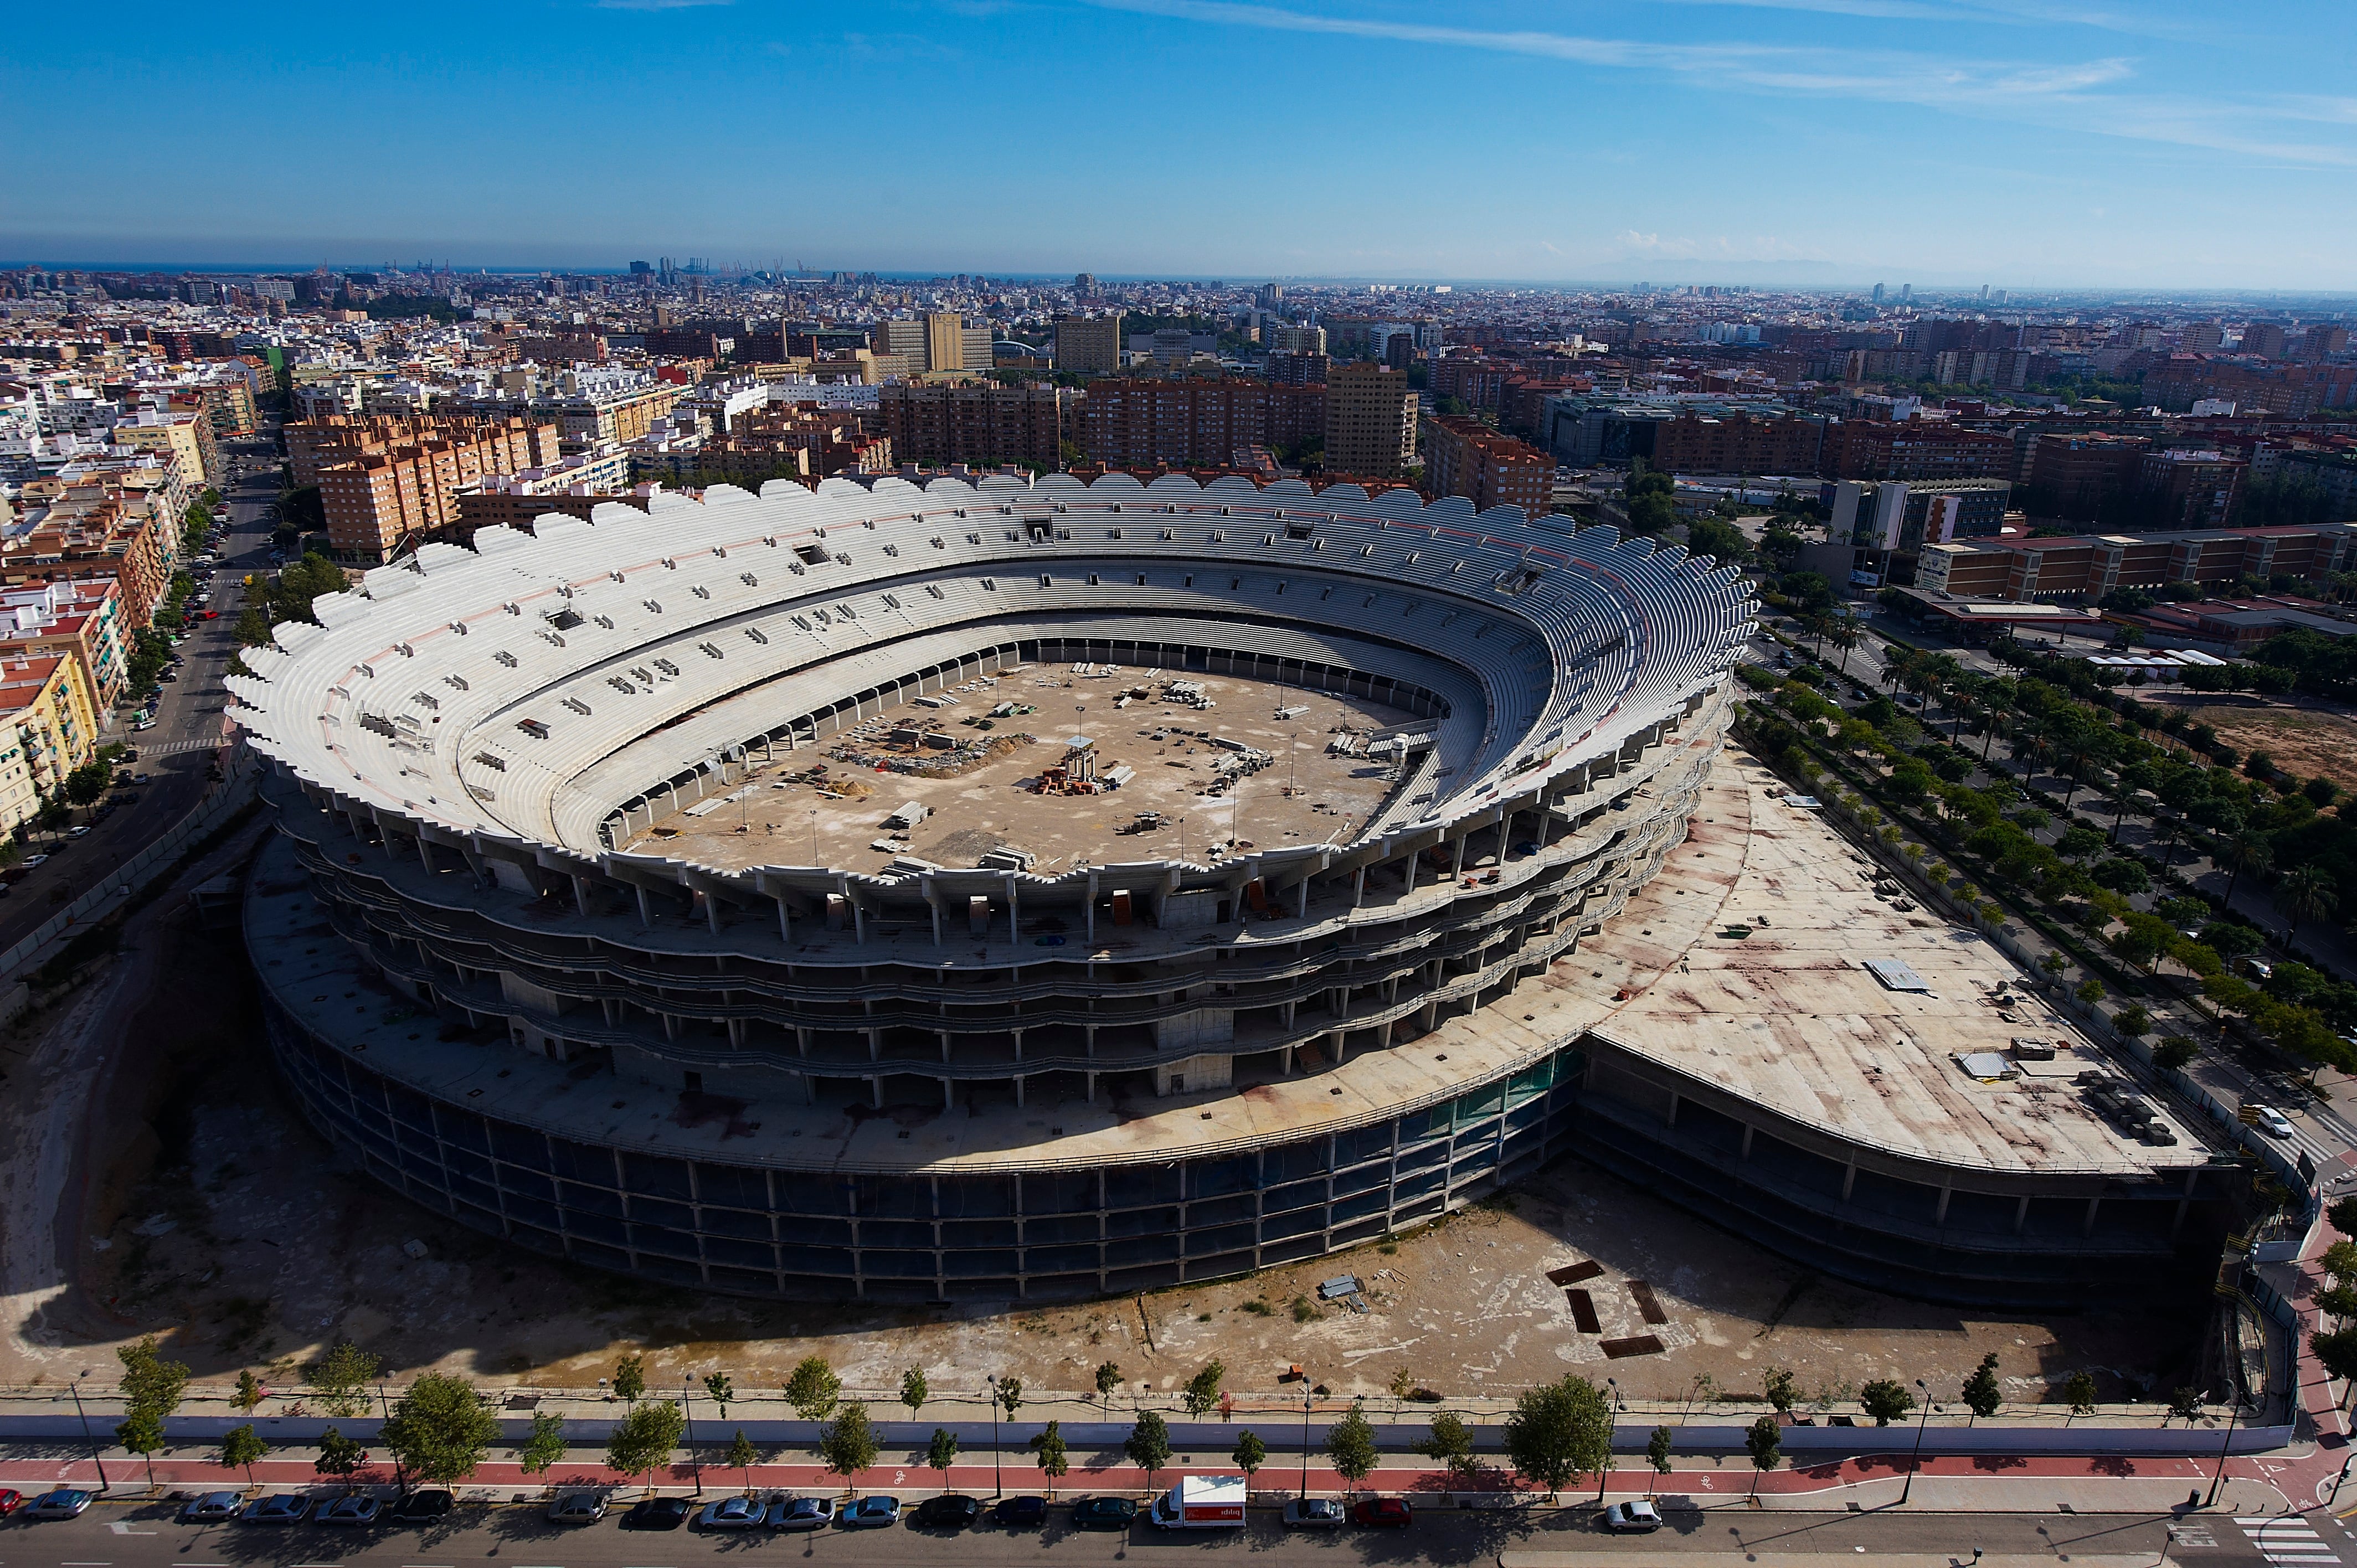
(80, 618)
(1194, 421)
(1089, 345)
(1697, 443)
(184, 436)
(1915, 449)
(1369, 421)
(48, 727)
(2092, 565)
(2074, 476)
(379, 493)
(89, 529)
(970, 422)
(2183, 488)
(1466, 458)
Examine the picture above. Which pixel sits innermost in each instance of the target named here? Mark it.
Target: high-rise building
(945, 342)
(974, 423)
(1089, 345)
(2183, 488)
(1466, 458)
(1194, 421)
(1369, 421)
(2074, 476)
(1299, 340)
(2265, 338)
(1269, 295)
(1084, 286)
(903, 337)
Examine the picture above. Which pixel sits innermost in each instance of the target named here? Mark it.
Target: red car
(11, 1501)
(1383, 1513)
(212, 614)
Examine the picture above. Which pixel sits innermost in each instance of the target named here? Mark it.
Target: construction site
(1045, 769)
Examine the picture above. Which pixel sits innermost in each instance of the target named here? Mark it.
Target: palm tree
(2246, 851)
(2304, 892)
(1845, 637)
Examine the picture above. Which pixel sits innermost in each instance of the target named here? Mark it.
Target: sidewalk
(1947, 1484)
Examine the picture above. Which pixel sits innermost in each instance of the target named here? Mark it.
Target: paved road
(174, 753)
(520, 1537)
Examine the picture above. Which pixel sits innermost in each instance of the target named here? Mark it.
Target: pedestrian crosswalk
(173, 748)
(2291, 1540)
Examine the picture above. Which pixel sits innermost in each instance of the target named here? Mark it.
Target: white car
(1630, 1517)
(2273, 1122)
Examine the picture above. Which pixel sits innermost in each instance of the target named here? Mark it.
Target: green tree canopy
(645, 1437)
(849, 1445)
(241, 1446)
(942, 1451)
(340, 1457)
(814, 1389)
(441, 1430)
(631, 1377)
(1557, 1431)
(340, 1379)
(1887, 1400)
(1451, 1444)
(913, 1389)
(1055, 1461)
(1983, 1394)
(740, 1457)
(1148, 1443)
(1350, 1447)
(1250, 1453)
(151, 1383)
(543, 1446)
(1764, 1441)
(1203, 1392)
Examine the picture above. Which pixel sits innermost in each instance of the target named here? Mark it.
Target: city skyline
(1781, 142)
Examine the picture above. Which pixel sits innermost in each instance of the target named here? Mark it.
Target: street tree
(645, 1437)
(1658, 1449)
(1055, 1460)
(1887, 1400)
(1009, 1395)
(2340, 1260)
(1108, 1379)
(240, 1447)
(2079, 1393)
(441, 1429)
(1777, 1384)
(341, 1457)
(1451, 1444)
(740, 1457)
(1764, 1441)
(849, 1447)
(141, 1431)
(149, 1381)
(1350, 1447)
(941, 1452)
(339, 1380)
(1203, 1392)
(913, 1390)
(2336, 1352)
(1148, 1444)
(2185, 1404)
(543, 1446)
(1983, 1394)
(814, 1389)
(1250, 1455)
(719, 1391)
(631, 1378)
(250, 1393)
(2343, 1212)
(1559, 1430)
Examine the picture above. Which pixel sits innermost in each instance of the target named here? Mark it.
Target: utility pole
(689, 1409)
(1916, 1463)
(95, 1457)
(1307, 1396)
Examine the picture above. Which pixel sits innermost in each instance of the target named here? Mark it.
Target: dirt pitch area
(2304, 741)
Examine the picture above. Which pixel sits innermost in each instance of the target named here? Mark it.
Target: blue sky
(2022, 143)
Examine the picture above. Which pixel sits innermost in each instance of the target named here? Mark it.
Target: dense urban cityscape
(1542, 848)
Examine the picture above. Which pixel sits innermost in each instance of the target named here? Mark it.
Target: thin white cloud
(657, 4)
(2066, 96)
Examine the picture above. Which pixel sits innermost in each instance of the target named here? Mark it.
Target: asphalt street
(144, 1536)
(175, 752)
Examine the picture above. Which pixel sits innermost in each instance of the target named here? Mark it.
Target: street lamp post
(687, 1408)
(400, 1471)
(1307, 1397)
(95, 1457)
(1916, 1463)
(997, 1485)
(2234, 1408)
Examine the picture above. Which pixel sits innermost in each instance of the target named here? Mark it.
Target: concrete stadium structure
(930, 1080)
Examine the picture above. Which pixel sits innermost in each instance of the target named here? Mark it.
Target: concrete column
(936, 905)
(1286, 1059)
(581, 895)
(1946, 1192)
(949, 1095)
(785, 922)
(712, 913)
(1849, 1178)
(1090, 926)
(2021, 1214)
(876, 1091)
(1358, 887)
(1747, 1131)
(646, 915)
(874, 1044)
(2087, 1226)
(1301, 903)
(1019, 1092)
(1093, 1088)
(802, 1039)
(1457, 867)
(1676, 1098)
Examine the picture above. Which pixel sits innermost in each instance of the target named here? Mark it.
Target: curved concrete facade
(799, 1079)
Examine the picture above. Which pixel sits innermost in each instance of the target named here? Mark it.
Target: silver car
(577, 1507)
(1313, 1513)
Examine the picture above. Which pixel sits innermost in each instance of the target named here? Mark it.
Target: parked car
(657, 1513)
(210, 1508)
(802, 1513)
(732, 1514)
(1104, 1513)
(1020, 1513)
(577, 1507)
(77, 830)
(31, 861)
(11, 1499)
(285, 1507)
(1312, 1513)
(1632, 1518)
(951, 1511)
(358, 1508)
(66, 1502)
(423, 1506)
(870, 1511)
(1383, 1513)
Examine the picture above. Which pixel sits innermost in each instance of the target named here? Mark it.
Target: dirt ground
(2305, 741)
(1304, 795)
(223, 1220)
